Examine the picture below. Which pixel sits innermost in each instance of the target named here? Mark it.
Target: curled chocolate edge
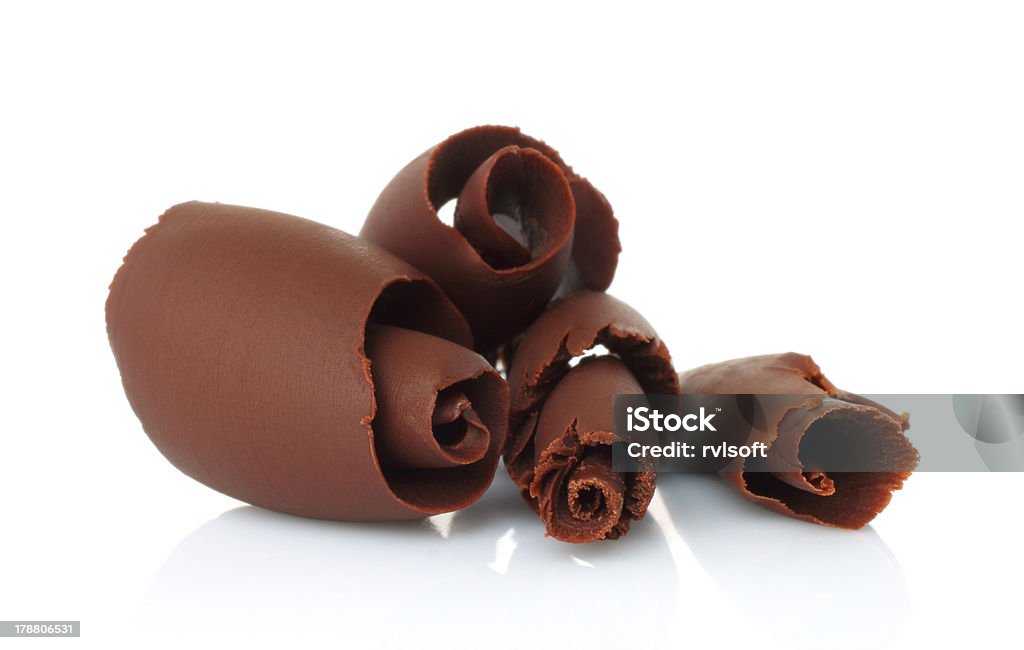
(801, 415)
(526, 227)
(561, 421)
(300, 369)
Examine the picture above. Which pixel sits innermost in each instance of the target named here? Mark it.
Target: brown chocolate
(300, 369)
(526, 226)
(578, 494)
(802, 415)
(560, 431)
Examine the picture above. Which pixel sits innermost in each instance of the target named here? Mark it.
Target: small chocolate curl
(579, 496)
(300, 369)
(804, 419)
(561, 429)
(526, 226)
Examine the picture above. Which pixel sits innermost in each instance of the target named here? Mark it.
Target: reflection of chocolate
(239, 334)
(525, 225)
(808, 425)
(561, 424)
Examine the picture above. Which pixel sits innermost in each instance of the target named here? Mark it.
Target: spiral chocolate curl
(526, 226)
(803, 415)
(300, 369)
(579, 496)
(561, 422)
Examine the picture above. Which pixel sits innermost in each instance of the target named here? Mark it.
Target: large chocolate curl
(804, 415)
(561, 421)
(300, 369)
(526, 226)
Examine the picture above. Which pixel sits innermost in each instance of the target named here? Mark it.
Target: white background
(838, 179)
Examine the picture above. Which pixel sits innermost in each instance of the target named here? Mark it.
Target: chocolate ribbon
(526, 226)
(561, 425)
(298, 368)
(808, 424)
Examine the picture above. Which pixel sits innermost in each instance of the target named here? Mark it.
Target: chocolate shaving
(561, 422)
(802, 419)
(297, 368)
(526, 226)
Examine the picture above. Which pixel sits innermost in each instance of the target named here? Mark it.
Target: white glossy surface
(489, 569)
(705, 566)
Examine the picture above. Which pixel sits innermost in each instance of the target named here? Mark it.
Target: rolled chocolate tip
(578, 495)
(526, 226)
(804, 420)
(433, 404)
(300, 369)
(561, 421)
